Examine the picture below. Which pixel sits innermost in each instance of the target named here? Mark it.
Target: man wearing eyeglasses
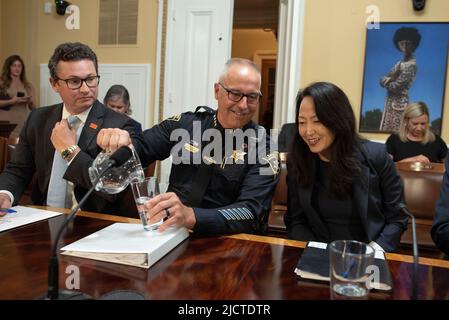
(224, 169)
(58, 143)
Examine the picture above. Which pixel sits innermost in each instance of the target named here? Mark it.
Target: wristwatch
(67, 153)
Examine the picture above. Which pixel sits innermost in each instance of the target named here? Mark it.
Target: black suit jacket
(376, 195)
(286, 136)
(34, 155)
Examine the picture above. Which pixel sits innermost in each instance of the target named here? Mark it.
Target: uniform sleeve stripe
(247, 211)
(248, 217)
(244, 217)
(230, 214)
(236, 214)
(225, 214)
(235, 217)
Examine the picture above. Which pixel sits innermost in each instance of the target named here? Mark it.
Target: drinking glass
(349, 262)
(143, 191)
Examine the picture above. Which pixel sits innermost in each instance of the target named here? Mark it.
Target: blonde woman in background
(415, 142)
(16, 94)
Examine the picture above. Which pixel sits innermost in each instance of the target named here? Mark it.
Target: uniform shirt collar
(216, 124)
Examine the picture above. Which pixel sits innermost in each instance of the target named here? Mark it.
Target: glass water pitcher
(115, 179)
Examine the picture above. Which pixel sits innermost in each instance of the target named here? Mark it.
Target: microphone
(404, 209)
(118, 158)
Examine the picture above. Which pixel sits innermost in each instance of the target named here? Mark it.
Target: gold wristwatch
(67, 153)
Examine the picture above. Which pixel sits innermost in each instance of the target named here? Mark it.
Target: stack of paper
(127, 244)
(19, 216)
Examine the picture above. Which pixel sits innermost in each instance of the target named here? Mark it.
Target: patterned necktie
(58, 194)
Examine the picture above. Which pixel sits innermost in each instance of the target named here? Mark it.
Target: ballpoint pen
(351, 266)
(7, 210)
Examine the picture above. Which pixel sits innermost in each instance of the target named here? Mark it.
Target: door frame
(289, 59)
(158, 70)
(167, 11)
(288, 69)
(258, 57)
(264, 105)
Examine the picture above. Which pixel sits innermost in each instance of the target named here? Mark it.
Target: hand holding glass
(143, 191)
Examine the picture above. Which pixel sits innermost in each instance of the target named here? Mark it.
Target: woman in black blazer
(340, 186)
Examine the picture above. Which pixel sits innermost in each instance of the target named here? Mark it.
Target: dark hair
(118, 91)
(333, 109)
(406, 33)
(71, 51)
(6, 72)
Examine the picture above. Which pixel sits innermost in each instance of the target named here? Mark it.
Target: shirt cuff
(376, 246)
(11, 197)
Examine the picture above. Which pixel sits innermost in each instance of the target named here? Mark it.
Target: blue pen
(8, 210)
(351, 266)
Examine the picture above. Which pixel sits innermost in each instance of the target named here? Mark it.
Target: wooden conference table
(230, 267)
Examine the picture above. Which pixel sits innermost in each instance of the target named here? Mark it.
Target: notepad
(314, 264)
(128, 244)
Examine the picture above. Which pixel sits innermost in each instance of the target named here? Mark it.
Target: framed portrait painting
(404, 63)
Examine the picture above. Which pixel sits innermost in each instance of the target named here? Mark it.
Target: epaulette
(174, 118)
(206, 109)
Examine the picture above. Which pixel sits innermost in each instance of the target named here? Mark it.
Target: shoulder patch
(174, 118)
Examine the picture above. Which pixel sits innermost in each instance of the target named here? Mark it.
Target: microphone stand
(415, 260)
(414, 294)
(53, 266)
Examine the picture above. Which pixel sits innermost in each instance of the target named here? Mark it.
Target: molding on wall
(158, 86)
(260, 55)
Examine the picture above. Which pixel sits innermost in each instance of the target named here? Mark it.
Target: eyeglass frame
(247, 95)
(82, 80)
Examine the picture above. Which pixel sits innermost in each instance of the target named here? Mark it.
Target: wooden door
(268, 89)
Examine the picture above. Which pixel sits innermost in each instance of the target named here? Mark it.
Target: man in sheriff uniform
(224, 168)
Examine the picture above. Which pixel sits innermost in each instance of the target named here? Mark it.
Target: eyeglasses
(76, 83)
(236, 96)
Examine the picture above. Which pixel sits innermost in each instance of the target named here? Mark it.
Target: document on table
(19, 216)
(127, 244)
